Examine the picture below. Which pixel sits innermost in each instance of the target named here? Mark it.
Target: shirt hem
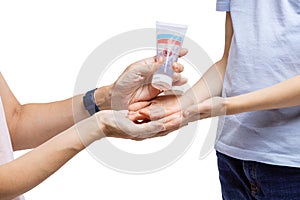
(262, 157)
(222, 6)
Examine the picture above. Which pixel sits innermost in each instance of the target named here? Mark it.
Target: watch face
(89, 102)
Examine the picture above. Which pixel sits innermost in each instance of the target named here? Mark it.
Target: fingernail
(184, 50)
(160, 59)
(175, 66)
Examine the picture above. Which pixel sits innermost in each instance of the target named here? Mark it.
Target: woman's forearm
(33, 124)
(29, 170)
(281, 95)
(24, 173)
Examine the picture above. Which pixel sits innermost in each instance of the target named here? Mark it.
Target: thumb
(151, 68)
(155, 112)
(138, 105)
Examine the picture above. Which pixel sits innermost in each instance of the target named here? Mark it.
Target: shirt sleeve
(223, 5)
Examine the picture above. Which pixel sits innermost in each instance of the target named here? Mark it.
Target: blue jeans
(243, 180)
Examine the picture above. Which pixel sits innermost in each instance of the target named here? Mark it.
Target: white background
(42, 47)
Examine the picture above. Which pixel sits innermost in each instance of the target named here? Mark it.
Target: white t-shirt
(264, 51)
(6, 151)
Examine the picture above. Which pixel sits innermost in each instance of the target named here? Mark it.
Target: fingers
(176, 77)
(177, 67)
(154, 112)
(141, 130)
(173, 121)
(137, 117)
(148, 69)
(116, 124)
(150, 65)
(179, 80)
(150, 129)
(183, 52)
(138, 105)
(120, 126)
(146, 130)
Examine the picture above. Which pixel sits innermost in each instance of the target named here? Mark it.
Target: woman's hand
(109, 123)
(134, 84)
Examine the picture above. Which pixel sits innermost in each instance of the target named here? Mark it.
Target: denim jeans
(243, 180)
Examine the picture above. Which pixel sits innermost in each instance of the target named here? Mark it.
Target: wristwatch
(89, 102)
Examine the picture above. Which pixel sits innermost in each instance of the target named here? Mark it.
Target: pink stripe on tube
(168, 41)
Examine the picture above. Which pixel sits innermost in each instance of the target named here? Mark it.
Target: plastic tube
(169, 39)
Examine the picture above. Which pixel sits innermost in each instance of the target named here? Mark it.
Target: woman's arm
(24, 173)
(32, 124)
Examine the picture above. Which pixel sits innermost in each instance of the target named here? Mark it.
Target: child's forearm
(284, 94)
(210, 84)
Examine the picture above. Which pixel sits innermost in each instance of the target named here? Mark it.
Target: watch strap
(89, 102)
